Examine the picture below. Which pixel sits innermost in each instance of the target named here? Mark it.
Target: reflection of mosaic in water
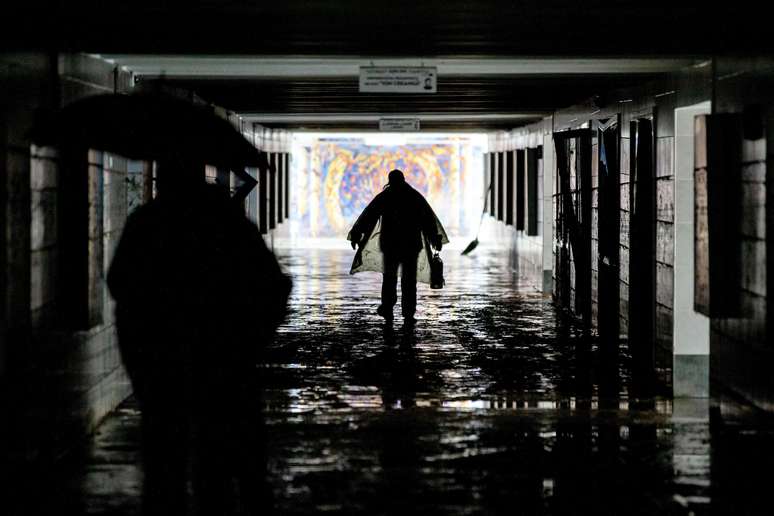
(340, 177)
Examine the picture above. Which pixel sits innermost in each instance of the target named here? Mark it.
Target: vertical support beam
(549, 181)
(95, 259)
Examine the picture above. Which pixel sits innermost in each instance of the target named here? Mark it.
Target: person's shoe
(384, 313)
(409, 320)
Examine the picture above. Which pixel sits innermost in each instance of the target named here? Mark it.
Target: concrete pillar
(95, 254)
(44, 238)
(691, 329)
(549, 171)
(115, 210)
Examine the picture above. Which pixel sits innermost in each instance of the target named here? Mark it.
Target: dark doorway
(573, 219)
(520, 184)
(609, 210)
(641, 258)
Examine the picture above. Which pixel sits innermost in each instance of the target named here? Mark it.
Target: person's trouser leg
(389, 284)
(408, 285)
(164, 446)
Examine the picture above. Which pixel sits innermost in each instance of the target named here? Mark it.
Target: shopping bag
(436, 272)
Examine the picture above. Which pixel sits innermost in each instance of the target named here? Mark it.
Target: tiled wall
(115, 209)
(665, 233)
(525, 251)
(44, 237)
(66, 378)
(657, 100)
(24, 89)
(741, 351)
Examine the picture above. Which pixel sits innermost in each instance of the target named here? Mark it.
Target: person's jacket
(399, 221)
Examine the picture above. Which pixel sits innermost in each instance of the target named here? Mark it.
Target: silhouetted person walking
(396, 230)
(197, 296)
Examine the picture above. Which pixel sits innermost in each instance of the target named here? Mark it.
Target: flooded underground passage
(312, 269)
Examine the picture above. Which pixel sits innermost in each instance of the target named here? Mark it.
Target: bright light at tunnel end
(335, 174)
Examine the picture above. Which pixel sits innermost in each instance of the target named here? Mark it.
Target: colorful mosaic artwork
(337, 178)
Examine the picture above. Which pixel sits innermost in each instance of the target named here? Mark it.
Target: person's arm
(366, 221)
(430, 227)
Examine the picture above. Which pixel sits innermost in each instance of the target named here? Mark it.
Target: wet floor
(489, 405)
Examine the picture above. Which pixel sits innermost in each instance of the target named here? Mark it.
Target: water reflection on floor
(488, 406)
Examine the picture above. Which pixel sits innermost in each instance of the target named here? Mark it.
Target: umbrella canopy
(152, 127)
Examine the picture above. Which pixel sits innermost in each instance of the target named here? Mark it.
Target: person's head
(395, 177)
(178, 177)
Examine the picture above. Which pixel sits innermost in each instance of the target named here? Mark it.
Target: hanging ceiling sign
(399, 124)
(398, 79)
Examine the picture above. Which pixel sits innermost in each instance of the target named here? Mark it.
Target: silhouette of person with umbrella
(397, 230)
(197, 294)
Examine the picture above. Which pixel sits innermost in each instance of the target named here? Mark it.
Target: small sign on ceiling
(398, 79)
(399, 124)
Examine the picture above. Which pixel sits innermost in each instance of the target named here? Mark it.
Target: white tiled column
(691, 329)
(548, 208)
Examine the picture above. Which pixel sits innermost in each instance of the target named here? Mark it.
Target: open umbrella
(152, 127)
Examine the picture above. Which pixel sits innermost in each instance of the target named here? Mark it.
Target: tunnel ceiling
(322, 93)
(427, 28)
(573, 50)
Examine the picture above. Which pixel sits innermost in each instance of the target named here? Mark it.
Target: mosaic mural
(336, 178)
